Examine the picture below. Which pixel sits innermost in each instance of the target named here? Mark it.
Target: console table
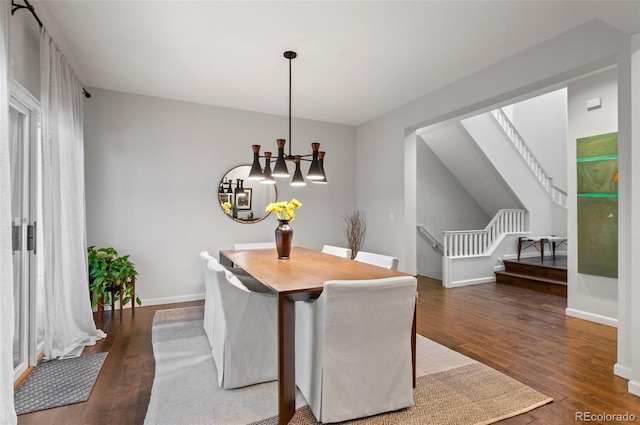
(539, 241)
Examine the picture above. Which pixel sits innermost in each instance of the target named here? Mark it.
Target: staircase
(470, 256)
(530, 273)
(557, 195)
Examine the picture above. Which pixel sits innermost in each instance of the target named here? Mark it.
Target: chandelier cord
(316, 169)
(290, 141)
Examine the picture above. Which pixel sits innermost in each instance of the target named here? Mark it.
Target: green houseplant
(111, 276)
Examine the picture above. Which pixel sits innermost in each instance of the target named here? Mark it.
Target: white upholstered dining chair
(386, 261)
(247, 280)
(244, 343)
(337, 251)
(209, 305)
(254, 245)
(353, 348)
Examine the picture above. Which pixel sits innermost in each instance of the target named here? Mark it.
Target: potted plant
(111, 277)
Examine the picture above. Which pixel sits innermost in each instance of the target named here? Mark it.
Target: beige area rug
(451, 388)
(471, 394)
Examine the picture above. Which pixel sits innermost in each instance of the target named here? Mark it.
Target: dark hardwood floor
(520, 332)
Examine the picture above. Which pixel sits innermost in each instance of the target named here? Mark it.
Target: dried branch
(355, 230)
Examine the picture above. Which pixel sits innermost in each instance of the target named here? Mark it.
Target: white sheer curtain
(7, 410)
(69, 320)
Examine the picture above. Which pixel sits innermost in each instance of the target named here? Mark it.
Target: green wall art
(597, 158)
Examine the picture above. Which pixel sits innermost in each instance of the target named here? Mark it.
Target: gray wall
(152, 173)
(443, 204)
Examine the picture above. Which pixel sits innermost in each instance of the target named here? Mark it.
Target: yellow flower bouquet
(226, 207)
(284, 210)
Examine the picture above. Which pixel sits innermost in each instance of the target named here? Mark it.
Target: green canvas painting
(597, 158)
(595, 146)
(598, 236)
(598, 176)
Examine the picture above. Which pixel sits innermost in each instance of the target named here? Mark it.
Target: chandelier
(266, 175)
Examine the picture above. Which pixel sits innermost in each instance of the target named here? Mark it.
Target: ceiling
(356, 60)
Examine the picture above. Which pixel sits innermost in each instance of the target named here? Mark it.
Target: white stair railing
(470, 243)
(557, 195)
(435, 243)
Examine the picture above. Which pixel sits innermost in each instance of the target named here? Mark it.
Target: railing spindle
(518, 142)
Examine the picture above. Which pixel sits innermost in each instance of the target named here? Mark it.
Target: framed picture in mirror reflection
(225, 197)
(243, 199)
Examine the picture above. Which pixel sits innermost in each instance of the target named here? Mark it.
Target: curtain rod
(30, 8)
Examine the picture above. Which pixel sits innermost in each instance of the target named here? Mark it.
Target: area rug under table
(58, 383)
(471, 394)
(450, 389)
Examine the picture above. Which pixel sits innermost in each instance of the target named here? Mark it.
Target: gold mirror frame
(249, 196)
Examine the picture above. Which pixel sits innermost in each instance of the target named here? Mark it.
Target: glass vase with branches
(356, 227)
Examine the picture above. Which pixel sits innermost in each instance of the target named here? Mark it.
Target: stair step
(537, 270)
(534, 278)
(537, 283)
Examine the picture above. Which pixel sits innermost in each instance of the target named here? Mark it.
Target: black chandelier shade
(266, 176)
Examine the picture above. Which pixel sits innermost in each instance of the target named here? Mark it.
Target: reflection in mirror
(244, 200)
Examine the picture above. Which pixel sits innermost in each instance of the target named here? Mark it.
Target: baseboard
(476, 281)
(156, 301)
(622, 371)
(634, 387)
(171, 300)
(592, 317)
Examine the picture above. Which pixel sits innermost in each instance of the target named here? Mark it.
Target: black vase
(284, 236)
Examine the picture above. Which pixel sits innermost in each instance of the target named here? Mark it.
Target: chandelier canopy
(266, 175)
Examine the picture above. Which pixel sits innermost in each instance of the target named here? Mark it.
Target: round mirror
(244, 200)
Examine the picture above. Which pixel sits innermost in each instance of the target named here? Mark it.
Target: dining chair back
(244, 341)
(209, 305)
(353, 348)
(337, 251)
(254, 245)
(386, 261)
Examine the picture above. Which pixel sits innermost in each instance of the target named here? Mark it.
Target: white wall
(24, 51)
(152, 173)
(443, 204)
(591, 297)
(628, 364)
(460, 154)
(542, 123)
(492, 140)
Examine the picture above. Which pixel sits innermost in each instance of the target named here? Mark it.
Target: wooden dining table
(299, 278)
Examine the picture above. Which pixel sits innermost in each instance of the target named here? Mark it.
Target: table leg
(519, 247)
(286, 359)
(542, 242)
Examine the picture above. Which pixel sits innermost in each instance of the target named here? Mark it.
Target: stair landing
(549, 276)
